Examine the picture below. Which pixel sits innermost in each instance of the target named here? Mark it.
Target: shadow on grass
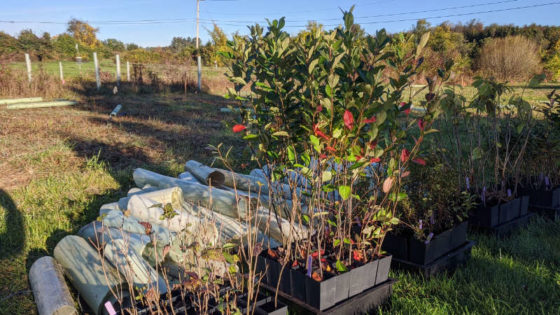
(12, 241)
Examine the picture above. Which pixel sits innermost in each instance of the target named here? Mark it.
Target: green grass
(72, 69)
(516, 275)
(59, 165)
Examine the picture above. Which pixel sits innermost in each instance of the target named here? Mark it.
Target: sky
(155, 23)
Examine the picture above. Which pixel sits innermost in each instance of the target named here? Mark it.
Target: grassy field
(72, 69)
(59, 165)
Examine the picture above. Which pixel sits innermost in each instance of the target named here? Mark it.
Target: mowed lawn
(59, 165)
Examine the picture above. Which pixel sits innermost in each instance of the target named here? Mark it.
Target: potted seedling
(540, 179)
(319, 110)
(433, 219)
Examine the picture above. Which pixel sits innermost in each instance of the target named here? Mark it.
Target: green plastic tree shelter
(94, 278)
(49, 288)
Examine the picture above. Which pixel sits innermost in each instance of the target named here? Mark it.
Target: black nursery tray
(176, 305)
(552, 213)
(446, 263)
(505, 229)
(362, 303)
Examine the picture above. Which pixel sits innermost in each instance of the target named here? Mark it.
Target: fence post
(28, 64)
(199, 62)
(96, 65)
(61, 72)
(118, 70)
(128, 71)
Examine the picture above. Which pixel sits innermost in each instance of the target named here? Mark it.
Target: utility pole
(198, 59)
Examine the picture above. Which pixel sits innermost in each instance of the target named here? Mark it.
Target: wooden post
(61, 72)
(118, 70)
(28, 63)
(96, 65)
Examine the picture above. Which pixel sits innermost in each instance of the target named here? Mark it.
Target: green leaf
(381, 117)
(477, 153)
(336, 242)
(291, 154)
(344, 191)
(340, 266)
(312, 65)
(326, 176)
(315, 142)
(306, 219)
(329, 90)
(422, 43)
(337, 133)
(250, 136)
(281, 134)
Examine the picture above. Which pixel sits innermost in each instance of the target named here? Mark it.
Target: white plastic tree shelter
(28, 64)
(61, 72)
(96, 64)
(118, 60)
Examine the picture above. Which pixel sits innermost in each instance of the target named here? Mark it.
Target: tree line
(507, 52)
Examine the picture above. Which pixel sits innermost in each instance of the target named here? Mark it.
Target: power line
(244, 23)
(427, 18)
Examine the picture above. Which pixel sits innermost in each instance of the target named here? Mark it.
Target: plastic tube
(49, 288)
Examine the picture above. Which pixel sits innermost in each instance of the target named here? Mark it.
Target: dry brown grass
(155, 129)
(511, 58)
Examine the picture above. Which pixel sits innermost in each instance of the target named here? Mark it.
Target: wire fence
(156, 76)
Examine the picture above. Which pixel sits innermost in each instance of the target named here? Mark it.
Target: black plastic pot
(321, 295)
(297, 285)
(486, 217)
(459, 235)
(273, 273)
(421, 252)
(397, 245)
(383, 269)
(524, 208)
(509, 210)
(546, 198)
(363, 277)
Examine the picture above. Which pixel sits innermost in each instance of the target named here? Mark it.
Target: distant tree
(422, 26)
(84, 33)
(178, 44)
(64, 45)
(510, 58)
(114, 45)
(28, 41)
(552, 65)
(132, 46)
(8, 45)
(219, 44)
